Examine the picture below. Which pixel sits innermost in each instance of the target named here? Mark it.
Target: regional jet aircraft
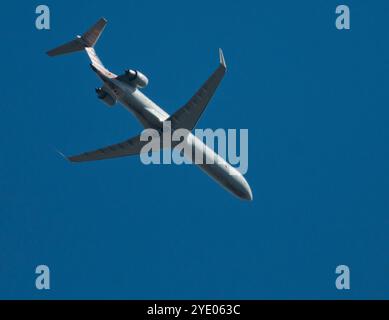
(125, 89)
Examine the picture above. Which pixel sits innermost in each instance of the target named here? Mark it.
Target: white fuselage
(152, 116)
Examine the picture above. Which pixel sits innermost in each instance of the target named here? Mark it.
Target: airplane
(126, 89)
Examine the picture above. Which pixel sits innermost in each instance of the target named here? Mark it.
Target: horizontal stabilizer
(87, 40)
(69, 47)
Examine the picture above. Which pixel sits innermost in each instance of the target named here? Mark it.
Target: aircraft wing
(128, 147)
(187, 116)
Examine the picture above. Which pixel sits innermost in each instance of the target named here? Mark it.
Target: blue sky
(315, 102)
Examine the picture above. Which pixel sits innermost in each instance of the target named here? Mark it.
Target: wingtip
(62, 155)
(221, 57)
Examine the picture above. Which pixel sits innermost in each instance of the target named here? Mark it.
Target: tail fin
(93, 34)
(87, 40)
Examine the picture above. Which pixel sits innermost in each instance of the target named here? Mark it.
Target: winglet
(221, 57)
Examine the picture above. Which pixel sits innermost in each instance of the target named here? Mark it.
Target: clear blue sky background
(315, 101)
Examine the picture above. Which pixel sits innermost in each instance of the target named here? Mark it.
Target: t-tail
(85, 42)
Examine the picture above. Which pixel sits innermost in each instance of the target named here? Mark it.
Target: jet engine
(105, 97)
(137, 78)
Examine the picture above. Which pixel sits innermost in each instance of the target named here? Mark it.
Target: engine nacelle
(105, 97)
(137, 78)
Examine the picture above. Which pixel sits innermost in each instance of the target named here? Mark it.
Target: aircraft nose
(248, 194)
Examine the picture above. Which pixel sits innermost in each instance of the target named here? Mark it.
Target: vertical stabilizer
(93, 34)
